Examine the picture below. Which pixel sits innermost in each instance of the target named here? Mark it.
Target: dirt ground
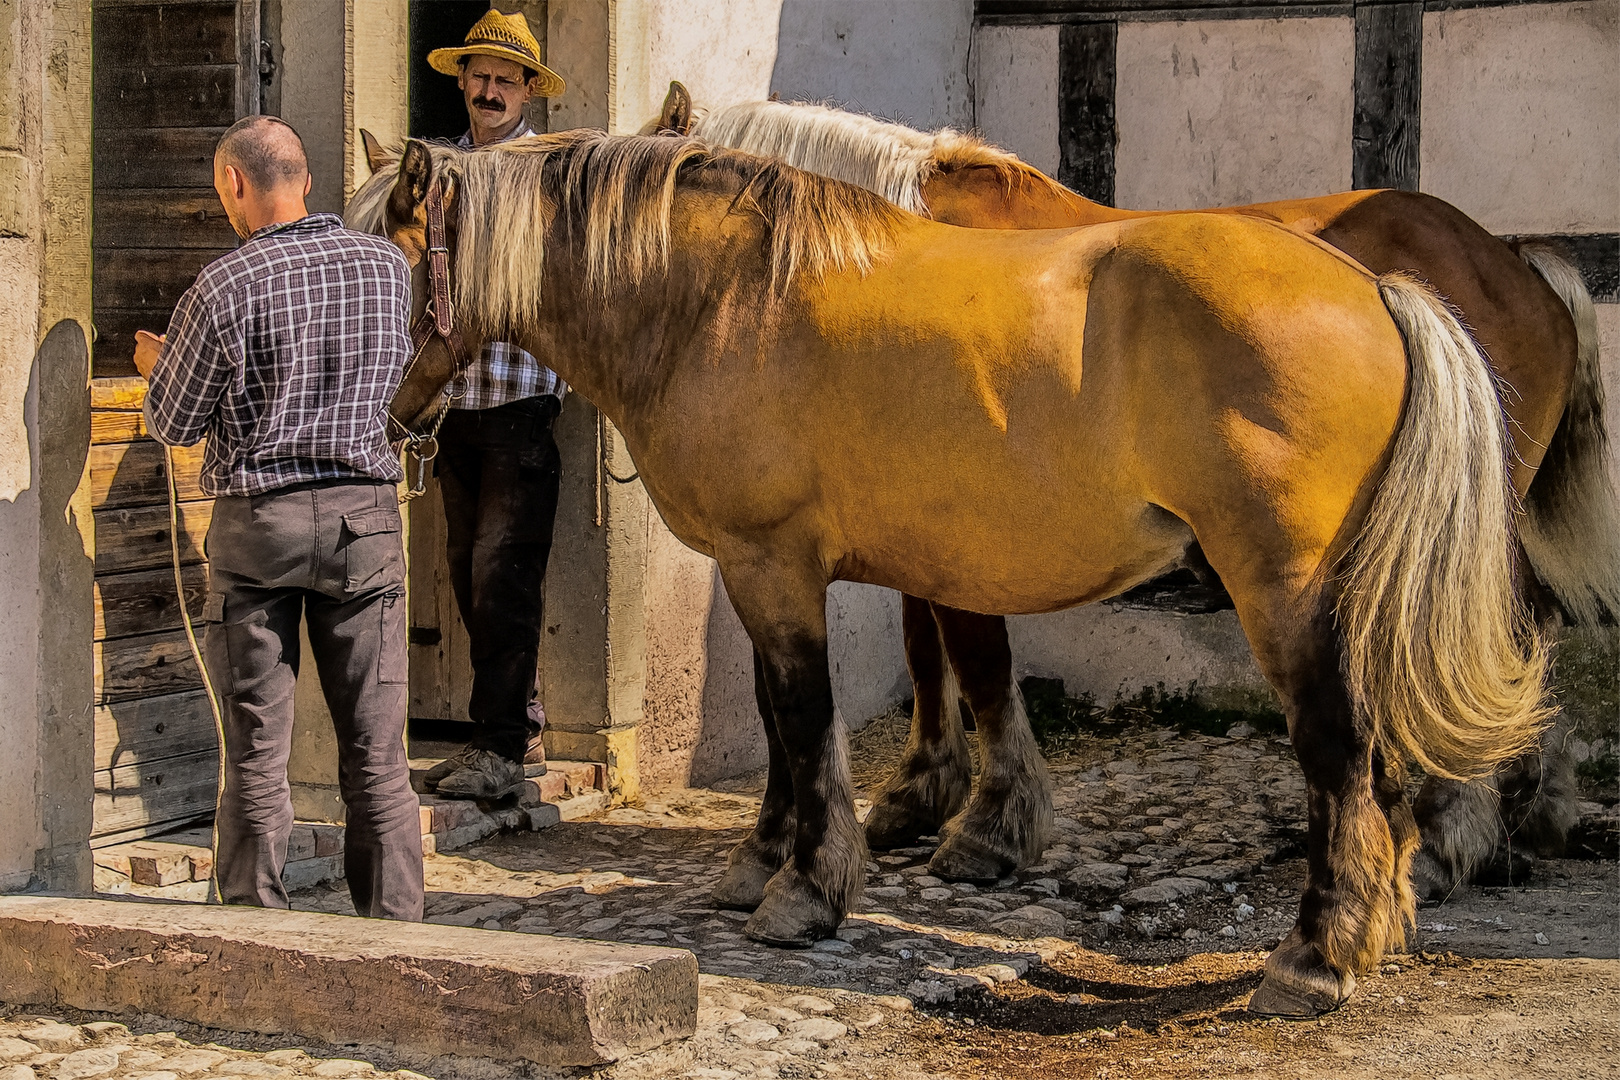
(1513, 981)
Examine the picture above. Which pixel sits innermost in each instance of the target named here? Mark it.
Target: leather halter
(437, 320)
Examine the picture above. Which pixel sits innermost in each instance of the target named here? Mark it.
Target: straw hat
(505, 37)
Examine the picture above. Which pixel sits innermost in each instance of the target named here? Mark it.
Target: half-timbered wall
(1510, 110)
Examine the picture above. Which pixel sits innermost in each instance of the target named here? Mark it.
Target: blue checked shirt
(503, 372)
(285, 354)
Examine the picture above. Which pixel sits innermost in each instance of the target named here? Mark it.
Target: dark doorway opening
(437, 111)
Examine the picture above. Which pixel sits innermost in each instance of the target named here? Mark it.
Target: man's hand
(148, 347)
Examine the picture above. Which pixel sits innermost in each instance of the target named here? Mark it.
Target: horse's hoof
(1299, 984)
(742, 886)
(960, 859)
(792, 914)
(893, 825)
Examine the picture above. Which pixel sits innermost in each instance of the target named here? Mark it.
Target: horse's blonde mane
(888, 158)
(612, 197)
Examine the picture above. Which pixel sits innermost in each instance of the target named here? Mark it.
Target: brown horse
(815, 386)
(1528, 309)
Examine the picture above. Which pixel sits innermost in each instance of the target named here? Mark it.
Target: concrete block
(543, 816)
(430, 844)
(582, 806)
(300, 843)
(429, 989)
(328, 839)
(312, 871)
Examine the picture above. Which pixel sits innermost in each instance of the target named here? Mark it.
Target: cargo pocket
(392, 664)
(373, 556)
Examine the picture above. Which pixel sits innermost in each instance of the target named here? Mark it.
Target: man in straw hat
(498, 465)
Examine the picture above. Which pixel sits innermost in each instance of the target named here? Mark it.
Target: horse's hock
(428, 989)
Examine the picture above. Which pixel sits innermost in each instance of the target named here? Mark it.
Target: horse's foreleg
(754, 861)
(783, 607)
(932, 780)
(1006, 824)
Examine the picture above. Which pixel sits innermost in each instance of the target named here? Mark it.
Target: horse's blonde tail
(1441, 658)
(1571, 530)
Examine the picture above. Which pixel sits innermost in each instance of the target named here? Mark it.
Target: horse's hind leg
(756, 860)
(1006, 824)
(934, 775)
(1490, 828)
(1351, 909)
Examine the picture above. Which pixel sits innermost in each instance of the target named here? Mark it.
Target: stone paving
(1162, 840)
(1167, 844)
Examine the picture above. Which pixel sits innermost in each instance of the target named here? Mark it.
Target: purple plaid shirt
(285, 353)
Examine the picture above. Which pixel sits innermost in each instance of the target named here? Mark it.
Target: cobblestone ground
(1176, 863)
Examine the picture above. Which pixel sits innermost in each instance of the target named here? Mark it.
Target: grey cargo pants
(330, 552)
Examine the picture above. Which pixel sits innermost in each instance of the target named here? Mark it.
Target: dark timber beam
(1086, 130)
(1389, 86)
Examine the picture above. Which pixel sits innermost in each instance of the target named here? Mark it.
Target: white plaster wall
(1521, 115)
(1226, 112)
(1609, 352)
(1016, 88)
(1112, 654)
(314, 51)
(906, 60)
(722, 52)
(22, 834)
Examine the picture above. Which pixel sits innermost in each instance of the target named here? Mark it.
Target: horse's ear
(376, 157)
(676, 116)
(415, 177)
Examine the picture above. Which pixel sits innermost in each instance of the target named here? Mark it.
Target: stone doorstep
(429, 988)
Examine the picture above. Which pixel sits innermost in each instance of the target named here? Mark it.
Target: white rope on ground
(196, 654)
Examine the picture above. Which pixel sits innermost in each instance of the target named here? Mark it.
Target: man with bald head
(284, 355)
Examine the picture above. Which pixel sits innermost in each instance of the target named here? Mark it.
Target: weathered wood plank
(115, 337)
(150, 278)
(137, 538)
(143, 601)
(151, 729)
(1388, 88)
(194, 34)
(127, 392)
(155, 157)
(108, 426)
(162, 218)
(1086, 136)
(440, 650)
(166, 792)
(131, 474)
(189, 96)
(143, 666)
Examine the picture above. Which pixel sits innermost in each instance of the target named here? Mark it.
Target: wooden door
(169, 78)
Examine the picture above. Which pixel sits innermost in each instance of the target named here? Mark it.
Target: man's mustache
(488, 103)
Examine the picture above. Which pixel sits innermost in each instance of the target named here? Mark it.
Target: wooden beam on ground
(424, 988)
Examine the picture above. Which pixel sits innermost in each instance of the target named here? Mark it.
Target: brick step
(178, 865)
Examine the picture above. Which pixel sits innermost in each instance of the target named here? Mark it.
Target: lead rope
(196, 654)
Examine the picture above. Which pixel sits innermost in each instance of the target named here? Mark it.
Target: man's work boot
(534, 759)
(454, 762)
(486, 775)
